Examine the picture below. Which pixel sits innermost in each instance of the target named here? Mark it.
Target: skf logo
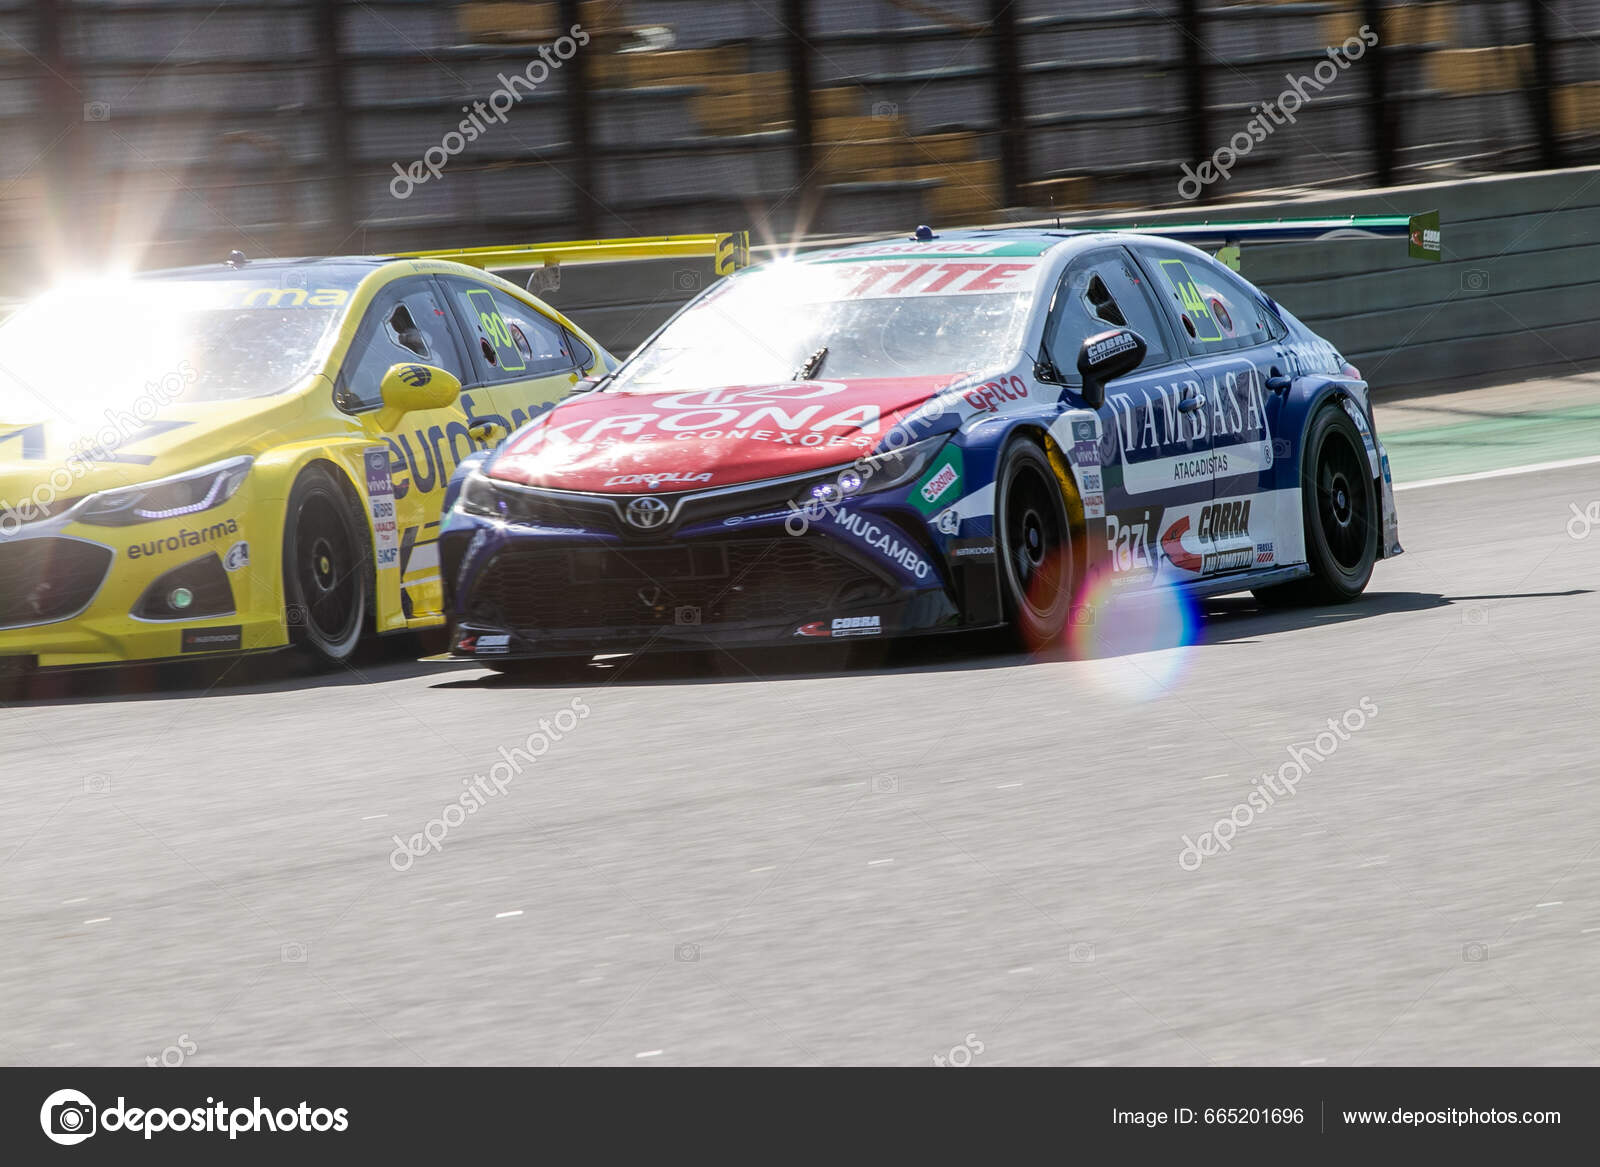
(416, 375)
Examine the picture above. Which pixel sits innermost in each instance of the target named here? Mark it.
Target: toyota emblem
(647, 513)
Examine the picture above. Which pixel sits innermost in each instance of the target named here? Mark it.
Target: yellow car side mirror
(413, 388)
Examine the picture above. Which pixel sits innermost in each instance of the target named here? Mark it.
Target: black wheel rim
(324, 566)
(1034, 541)
(1342, 503)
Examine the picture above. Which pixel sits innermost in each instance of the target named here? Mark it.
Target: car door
(523, 361)
(408, 322)
(1154, 445)
(1229, 336)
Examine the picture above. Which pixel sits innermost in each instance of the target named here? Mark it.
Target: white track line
(1508, 472)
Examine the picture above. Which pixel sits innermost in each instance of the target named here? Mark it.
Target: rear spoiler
(728, 253)
(1421, 232)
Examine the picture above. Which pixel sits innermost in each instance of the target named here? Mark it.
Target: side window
(510, 341)
(1100, 291)
(1216, 309)
(582, 354)
(406, 323)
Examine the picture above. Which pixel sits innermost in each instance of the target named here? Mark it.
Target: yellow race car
(251, 455)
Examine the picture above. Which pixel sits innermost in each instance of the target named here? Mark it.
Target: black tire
(1340, 506)
(1035, 549)
(327, 569)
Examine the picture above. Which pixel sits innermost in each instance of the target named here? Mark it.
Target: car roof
(345, 264)
(978, 241)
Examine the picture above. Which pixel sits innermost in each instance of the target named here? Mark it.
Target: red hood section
(631, 443)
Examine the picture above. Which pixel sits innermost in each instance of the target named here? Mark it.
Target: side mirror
(413, 388)
(1105, 357)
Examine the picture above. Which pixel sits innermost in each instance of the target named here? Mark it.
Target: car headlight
(894, 468)
(880, 472)
(480, 497)
(166, 498)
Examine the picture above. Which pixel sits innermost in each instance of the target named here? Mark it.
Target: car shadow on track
(1223, 620)
(389, 659)
(1242, 618)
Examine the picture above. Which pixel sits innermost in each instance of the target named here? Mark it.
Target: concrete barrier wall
(1518, 285)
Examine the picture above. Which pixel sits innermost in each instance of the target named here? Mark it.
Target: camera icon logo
(96, 111)
(292, 954)
(686, 954)
(686, 615)
(1475, 953)
(1475, 280)
(686, 280)
(885, 110)
(68, 1117)
(885, 784)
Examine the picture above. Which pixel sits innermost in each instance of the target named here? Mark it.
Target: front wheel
(1340, 509)
(1035, 546)
(326, 565)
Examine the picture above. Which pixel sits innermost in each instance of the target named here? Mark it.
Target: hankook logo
(647, 513)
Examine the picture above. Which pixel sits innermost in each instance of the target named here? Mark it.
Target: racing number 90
(493, 325)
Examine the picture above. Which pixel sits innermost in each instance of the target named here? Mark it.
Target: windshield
(873, 318)
(79, 350)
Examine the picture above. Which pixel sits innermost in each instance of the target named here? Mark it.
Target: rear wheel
(1035, 546)
(326, 569)
(1340, 508)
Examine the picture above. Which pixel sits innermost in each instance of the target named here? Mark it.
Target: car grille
(755, 581)
(43, 580)
(595, 512)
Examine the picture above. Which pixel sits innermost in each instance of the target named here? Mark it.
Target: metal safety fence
(161, 131)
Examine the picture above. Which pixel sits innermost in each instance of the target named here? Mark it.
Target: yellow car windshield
(211, 337)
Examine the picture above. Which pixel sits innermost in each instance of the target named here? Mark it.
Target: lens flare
(1138, 646)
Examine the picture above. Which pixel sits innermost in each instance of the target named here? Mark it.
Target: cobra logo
(1172, 543)
(416, 375)
(646, 513)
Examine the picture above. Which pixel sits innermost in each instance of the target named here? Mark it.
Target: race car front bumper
(872, 566)
(75, 594)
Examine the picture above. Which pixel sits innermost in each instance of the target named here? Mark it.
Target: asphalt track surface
(778, 860)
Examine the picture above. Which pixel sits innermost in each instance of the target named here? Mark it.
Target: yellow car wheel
(327, 569)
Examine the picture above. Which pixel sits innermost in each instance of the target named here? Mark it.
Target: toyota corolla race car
(930, 434)
(238, 457)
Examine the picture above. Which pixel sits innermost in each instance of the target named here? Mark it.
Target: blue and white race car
(980, 430)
